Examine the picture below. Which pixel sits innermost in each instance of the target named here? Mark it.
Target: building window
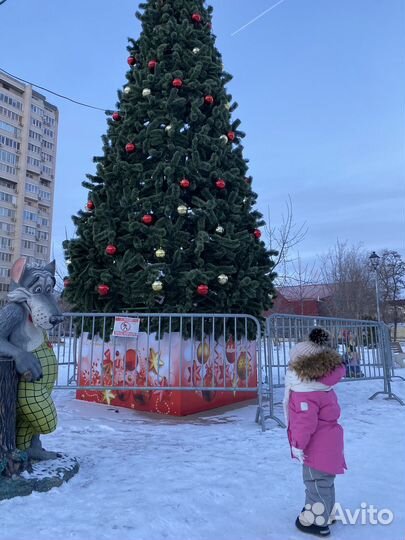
(6, 141)
(37, 110)
(27, 244)
(8, 157)
(48, 133)
(36, 123)
(33, 161)
(43, 235)
(31, 188)
(5, 243)
(31, 231)
(7, 212)
(7, 227)
(10, 114)
(8, 169)
(34, 148)
(43, 221)
(42, 250)
(46, 170)
(8, 100)
(5, 126)
(5, 257)
(6, 197)
(30, 216)
(4, 272)
(35, 135)
(44, 195)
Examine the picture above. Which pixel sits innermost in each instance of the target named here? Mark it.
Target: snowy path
(211, 477)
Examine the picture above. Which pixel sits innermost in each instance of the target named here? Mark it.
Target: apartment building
(28, 139)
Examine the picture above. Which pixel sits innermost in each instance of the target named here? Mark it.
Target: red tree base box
(172, 361)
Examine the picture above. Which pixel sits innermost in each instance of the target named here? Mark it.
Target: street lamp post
(375, 262)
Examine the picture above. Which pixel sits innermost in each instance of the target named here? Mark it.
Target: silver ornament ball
(223, 279)
(146, 92)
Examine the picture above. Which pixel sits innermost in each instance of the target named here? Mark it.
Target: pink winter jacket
(313, 425)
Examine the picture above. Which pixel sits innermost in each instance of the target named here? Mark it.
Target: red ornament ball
(209, 100)
(257, 234)
(116, 116)
(131, 60)
(90, 205)
(152, 65)
(67, 282)
(111, 249)
(177, 83)
(231, 135)
(220, 184)
(185, 183)
(130, 148)
(196, 17)
(203, 290)
(147, 219)
(103, 290)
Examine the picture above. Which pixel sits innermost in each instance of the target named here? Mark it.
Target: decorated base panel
(143, 361)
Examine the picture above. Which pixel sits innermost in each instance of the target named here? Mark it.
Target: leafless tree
(391, 275)
(283, 239)
(302, 276)
(345, 269)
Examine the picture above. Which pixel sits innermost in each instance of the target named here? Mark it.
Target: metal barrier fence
(225, 344)
(364, 346)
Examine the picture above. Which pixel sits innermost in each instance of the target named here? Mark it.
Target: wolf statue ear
(17, 271)
(51, 268)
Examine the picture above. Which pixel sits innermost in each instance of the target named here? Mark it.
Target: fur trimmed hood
(317, 365)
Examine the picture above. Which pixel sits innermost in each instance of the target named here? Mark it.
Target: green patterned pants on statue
(36, 413)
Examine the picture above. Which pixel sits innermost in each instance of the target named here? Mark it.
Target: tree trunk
(8, 401)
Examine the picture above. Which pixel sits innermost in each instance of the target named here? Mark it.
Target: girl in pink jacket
(316, 439)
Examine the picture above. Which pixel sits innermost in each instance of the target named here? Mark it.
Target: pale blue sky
(321, 89)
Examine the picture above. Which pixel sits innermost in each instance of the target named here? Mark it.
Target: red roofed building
(302, 300)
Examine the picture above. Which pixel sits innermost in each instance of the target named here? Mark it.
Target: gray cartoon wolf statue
(31, 311)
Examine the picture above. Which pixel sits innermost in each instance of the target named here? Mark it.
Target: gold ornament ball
(127, 90)
(157, 286)
(203, 352)
(196, 50)
(220, 230)
(223, 139)
(243, 366)
(223, 279)
(182, 210)
(160, 253)
(146, 92)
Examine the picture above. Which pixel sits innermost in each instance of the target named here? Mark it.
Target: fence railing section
(363, 345)
(220, 352)
(190, 352)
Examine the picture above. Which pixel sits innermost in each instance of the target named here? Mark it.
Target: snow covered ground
(212, 476)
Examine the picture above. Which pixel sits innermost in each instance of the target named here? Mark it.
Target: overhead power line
(51, 91)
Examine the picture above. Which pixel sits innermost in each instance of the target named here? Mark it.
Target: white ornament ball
(127, 90)
(223, 279)
(146, 92)
(160, 253)
(228, 105)
(182, 210)
(223, 139)
(196, 50)
(157, 286)
(168, 128)
(220, 230)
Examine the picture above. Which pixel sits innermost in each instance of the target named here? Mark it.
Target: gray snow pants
(319, 488)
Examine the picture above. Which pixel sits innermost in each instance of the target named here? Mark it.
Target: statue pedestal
(45, 475)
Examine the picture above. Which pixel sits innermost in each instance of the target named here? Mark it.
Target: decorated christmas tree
(170, 224)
